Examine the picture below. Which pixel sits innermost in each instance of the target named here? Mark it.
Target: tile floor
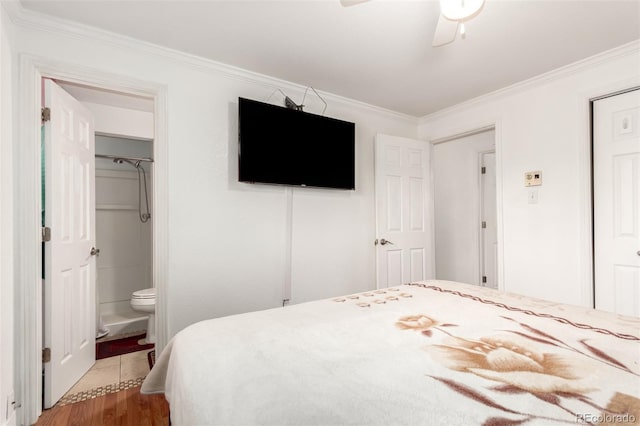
(113, 370)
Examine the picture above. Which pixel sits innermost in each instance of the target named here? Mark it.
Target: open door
(69, 255)
(402, 187)
(489, 223)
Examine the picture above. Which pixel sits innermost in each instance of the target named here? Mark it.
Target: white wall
(7, 343)
(116, 121)
(227, 239)
(543, 125)
(456, 183)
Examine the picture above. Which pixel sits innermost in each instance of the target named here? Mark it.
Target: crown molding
(556, 74)
(32, 20)
(6, 21)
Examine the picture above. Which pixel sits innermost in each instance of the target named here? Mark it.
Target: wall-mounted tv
(278, 145)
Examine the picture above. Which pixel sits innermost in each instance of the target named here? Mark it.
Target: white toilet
(145, 301)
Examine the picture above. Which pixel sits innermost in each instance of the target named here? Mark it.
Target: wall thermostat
(533, 178)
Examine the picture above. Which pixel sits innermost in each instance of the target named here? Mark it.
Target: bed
(432, 352)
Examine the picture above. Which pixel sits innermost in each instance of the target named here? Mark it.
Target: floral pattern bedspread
(432, 352)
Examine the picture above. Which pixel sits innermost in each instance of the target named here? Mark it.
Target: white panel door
(402, 189)
(489, 228)
(70, 266)
(616, 186)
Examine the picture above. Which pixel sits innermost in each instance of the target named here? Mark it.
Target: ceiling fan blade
(347, 3)
(445, 31)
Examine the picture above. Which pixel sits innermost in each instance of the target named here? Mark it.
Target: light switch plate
(533, 178)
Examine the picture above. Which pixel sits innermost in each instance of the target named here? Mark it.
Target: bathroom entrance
(124, 223)
(97, 177)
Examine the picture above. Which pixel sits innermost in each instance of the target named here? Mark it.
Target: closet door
(616, 180)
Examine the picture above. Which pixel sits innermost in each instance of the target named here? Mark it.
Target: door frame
(29, 295)
(457, 133)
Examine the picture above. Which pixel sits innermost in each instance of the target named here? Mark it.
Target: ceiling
(377, 52)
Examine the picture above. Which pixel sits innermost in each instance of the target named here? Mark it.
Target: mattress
(432, 352)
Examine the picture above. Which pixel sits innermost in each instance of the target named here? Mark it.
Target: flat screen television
(278, 145)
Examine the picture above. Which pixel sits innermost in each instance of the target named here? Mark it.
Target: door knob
(94, 251)
(385, 242)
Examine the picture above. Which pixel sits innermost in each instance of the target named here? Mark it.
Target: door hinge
(46, 234)
(483, 170)
(45, 114)
(46, 355)
(484, 224)
(484, 279)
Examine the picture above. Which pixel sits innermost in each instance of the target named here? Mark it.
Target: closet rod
(118, 157)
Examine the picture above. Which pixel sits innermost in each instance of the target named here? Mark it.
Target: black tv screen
(278, 145)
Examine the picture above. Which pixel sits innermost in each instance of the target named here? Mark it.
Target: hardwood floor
(126, 408)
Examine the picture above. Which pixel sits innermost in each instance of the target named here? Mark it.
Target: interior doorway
(29, 350)
(91, 206)
(465, 214)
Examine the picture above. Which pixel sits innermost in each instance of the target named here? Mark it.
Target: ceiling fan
(453, 15)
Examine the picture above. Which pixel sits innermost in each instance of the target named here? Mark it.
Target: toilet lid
(147, 293)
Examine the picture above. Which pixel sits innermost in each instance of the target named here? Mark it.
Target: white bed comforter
(428, 353)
